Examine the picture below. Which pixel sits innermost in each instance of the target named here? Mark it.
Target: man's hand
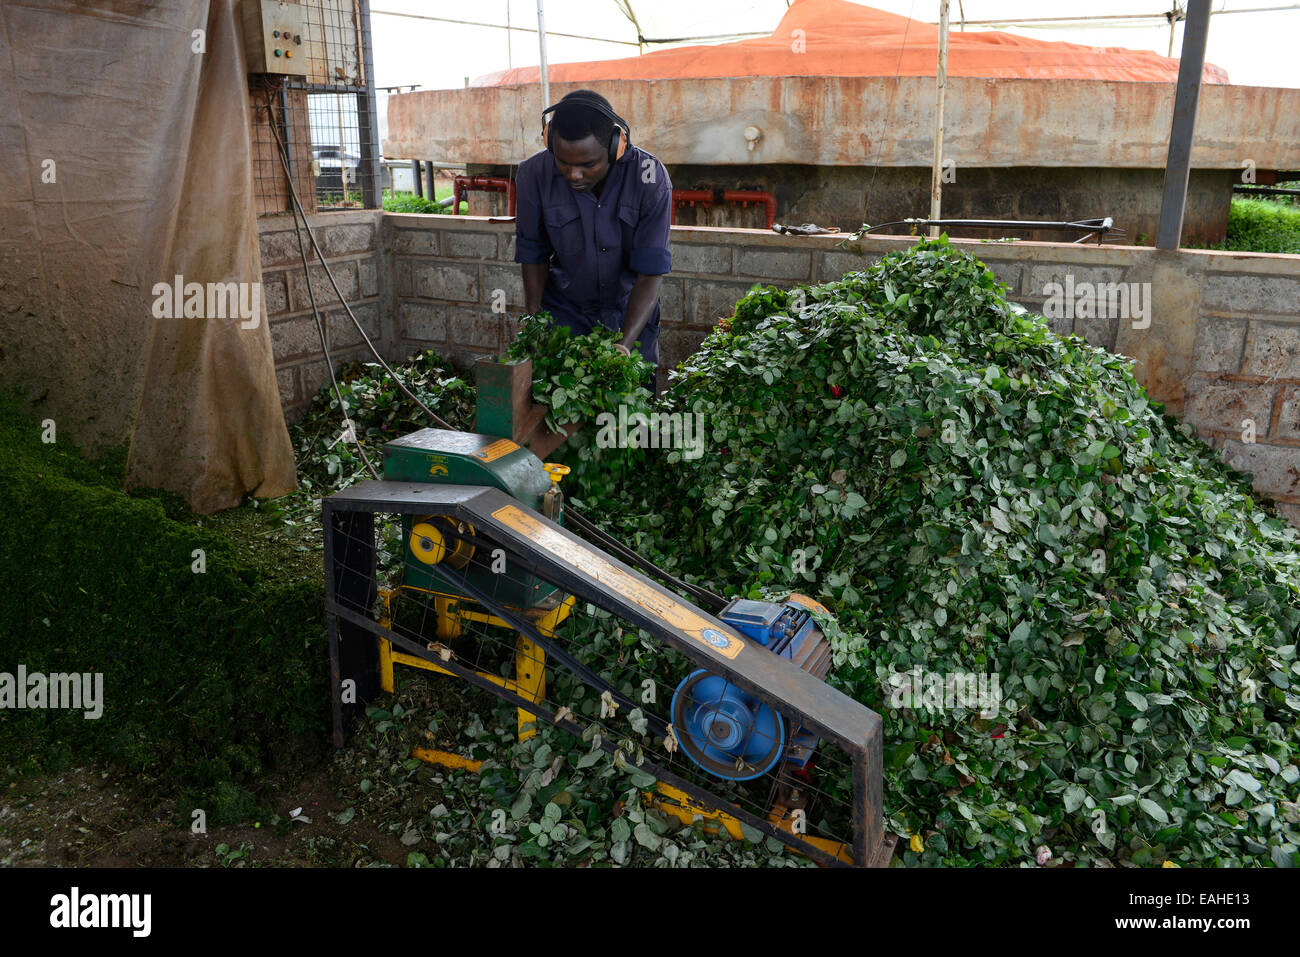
(623, 349)
(640, 307)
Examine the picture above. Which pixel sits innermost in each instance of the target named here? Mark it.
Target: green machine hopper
(494, 457)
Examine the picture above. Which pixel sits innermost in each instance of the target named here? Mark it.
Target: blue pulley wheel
(725, 731)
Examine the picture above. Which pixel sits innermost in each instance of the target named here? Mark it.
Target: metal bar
(350, 546)
(940, 83)
(1264, 191)
(324, 87)
(710, 36)
(288, 143)
(367, 127)
(336, 677)
(1178, 166)
(1083, 225)
(498, 26)
(415, 172)
(541, 45)
(428, 178)
(1162, 15)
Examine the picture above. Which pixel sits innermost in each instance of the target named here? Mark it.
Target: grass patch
(1263, 226)
(410, 203)
(209, 679)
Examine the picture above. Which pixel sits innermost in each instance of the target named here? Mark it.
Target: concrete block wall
(455, 284)
(1222, 345)
(352, 244)
(450, 271)
(1246, 375)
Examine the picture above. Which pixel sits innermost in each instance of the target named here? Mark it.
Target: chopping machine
(723, 703)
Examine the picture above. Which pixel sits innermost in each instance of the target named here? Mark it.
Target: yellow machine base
(452, 611)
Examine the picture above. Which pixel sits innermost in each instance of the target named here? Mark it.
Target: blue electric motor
(727, 731)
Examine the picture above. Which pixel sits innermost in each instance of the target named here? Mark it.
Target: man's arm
(532, 244)
(650, 257)
(640, 307)
(534, 284)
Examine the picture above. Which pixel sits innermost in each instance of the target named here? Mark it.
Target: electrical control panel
(275, 37)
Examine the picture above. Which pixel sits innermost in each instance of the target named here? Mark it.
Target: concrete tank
(843, 149)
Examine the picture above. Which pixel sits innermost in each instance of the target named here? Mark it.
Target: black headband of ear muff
(581, 99)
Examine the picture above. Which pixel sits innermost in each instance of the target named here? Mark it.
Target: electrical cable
(1102, 17)
(349, 430)
(329, 273)
(889, 107)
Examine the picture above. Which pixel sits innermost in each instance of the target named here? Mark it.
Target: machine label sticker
(490, 453)
(714, 637)
(664, 607)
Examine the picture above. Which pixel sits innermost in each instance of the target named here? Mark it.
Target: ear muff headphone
(618, 142)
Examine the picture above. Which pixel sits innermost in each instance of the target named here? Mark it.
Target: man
(591, 228)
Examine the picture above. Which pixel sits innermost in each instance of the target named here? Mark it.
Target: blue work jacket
(595, 246)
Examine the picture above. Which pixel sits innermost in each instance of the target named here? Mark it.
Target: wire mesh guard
(568, 656)
(327, 117)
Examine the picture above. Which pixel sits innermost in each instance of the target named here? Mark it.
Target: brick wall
(1222, 348)
(351, 242)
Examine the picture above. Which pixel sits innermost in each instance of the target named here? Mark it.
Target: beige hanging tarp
(126, 179)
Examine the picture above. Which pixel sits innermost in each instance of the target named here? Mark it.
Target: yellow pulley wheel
(427, 544)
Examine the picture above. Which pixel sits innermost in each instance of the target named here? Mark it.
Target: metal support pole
(1179, 163)
(541, 43)
(428, 178)
(940, 82)
(285, 132)
(415, 174)
(367, 122)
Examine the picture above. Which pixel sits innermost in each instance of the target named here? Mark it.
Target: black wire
(348, 427)
(602, 539)
(329, 273)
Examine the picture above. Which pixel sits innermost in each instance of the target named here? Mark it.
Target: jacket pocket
(628, 218)
(564, 229)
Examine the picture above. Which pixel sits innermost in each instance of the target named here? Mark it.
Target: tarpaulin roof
(839, 38)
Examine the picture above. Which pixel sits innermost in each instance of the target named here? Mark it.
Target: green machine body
(443, 457)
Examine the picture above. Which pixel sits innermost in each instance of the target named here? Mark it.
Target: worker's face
(583, 163)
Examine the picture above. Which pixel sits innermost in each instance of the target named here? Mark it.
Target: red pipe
(487, 184)
(708, 197)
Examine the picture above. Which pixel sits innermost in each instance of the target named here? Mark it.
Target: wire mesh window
(318, 130)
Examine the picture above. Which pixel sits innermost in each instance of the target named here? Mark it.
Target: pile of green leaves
(549, 801)
(329, 462)
(578, 377)
(969, 492)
